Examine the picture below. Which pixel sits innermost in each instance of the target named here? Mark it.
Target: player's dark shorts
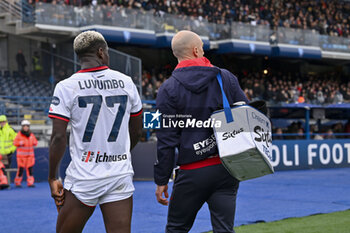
(192, 188)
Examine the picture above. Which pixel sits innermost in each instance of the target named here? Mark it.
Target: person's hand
(57, 192)
(159, 194)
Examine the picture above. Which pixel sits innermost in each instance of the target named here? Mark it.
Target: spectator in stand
(21, 63)
(301, 99)
(37, 68)
(278, 135)
(149, 92)
(329, 134)
(347, 129)
(314, 133)
(25, 142)
(338, 97)
(320, 97)
(300, 133)
(338, 128)
(325, 17)
(310, 89)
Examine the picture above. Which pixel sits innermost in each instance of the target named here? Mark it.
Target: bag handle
(227, 108)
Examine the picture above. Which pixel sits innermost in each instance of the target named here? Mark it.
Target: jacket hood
(195, 78)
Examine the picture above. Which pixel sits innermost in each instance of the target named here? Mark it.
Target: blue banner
(309, 154)
(232, 46)
(296, 52)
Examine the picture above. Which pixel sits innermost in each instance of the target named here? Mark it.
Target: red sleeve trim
(51, 115)
(134, 114)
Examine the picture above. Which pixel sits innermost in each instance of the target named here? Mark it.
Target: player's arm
(168, 140)
(58, 143)
(135, 129)
(135, 121)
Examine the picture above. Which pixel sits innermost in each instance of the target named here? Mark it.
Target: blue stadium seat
(6, 74)
(15, 74)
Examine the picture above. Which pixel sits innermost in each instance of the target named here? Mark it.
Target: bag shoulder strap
(227, 108)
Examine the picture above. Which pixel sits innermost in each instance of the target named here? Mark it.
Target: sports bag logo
(231, 134)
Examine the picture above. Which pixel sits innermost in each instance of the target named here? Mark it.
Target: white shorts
(93, 192)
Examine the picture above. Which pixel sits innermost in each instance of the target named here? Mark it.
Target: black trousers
(9, 158)
(192, 188)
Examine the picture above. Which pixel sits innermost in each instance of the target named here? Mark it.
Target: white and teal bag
(244, 140)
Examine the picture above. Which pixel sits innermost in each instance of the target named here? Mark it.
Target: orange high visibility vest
(25, 145)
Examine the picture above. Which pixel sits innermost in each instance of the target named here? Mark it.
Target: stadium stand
(325, 17)
(23, 86)
(22, 97)
(274, 87)
(280, 88)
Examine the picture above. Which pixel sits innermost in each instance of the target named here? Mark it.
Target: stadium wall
(286, 155)
(3, 53)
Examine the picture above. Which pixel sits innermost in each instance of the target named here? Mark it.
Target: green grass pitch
(338, 222)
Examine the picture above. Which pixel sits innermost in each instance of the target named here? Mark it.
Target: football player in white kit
(104, 109)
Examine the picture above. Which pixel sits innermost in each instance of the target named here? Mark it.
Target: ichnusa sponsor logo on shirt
(89, 156)
(157, 120)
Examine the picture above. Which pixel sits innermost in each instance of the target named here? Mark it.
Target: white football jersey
(98, 103)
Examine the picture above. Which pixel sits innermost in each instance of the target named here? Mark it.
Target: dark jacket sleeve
(168, 138)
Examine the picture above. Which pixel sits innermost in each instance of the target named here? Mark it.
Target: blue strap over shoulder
(227, 108)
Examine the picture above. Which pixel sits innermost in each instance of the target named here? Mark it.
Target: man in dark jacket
(193, 92)
(21, 63)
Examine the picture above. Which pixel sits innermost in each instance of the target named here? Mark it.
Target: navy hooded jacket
(193, 91)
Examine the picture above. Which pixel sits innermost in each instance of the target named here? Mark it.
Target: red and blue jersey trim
(58, 116)
(94, 69)
(134, 114)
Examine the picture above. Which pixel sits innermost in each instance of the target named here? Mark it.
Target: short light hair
(88, 42)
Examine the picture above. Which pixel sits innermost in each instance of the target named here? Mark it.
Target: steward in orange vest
(25, 142)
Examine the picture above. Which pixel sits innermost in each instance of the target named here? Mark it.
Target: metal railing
(127, 64)
(297, 36)
(60, 67)
(27, 12)
(18, 10)
(61, 14)
(66, 15)
(13, 7)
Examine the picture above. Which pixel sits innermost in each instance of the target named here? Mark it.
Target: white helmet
(25, 122)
